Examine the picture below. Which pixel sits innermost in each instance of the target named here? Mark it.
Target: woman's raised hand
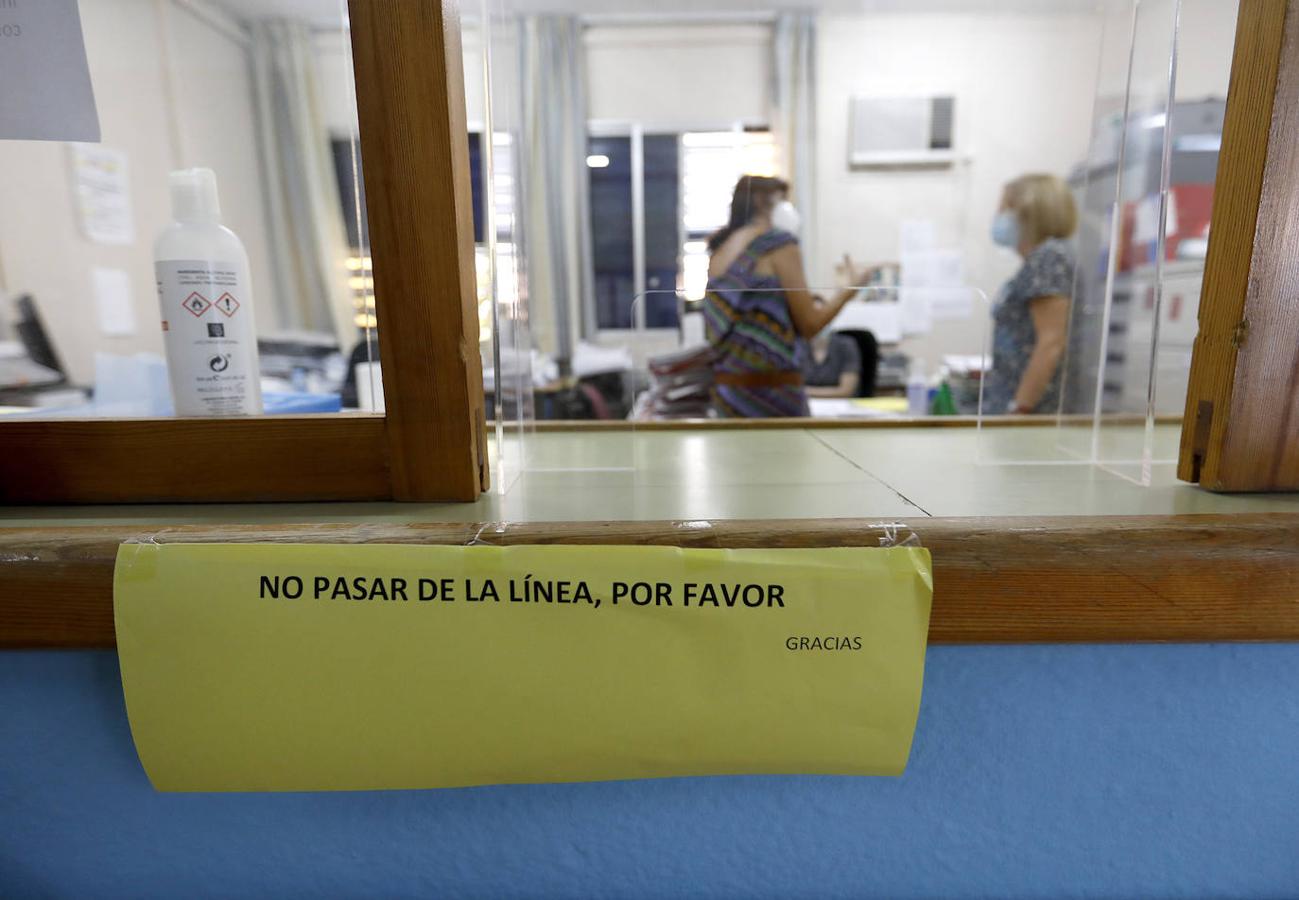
(852, 275)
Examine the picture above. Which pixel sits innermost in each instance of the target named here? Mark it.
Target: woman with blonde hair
(1031, 313)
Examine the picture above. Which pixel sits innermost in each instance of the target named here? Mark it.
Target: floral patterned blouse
(1047, 272)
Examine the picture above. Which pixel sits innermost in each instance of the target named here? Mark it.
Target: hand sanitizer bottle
(917, 389)
(207, 305)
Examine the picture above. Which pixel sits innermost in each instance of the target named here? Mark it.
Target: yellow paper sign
(262, 667)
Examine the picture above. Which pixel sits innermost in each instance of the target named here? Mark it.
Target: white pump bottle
(207, 305)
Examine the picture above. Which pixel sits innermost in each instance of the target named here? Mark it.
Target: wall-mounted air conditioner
(902, 131)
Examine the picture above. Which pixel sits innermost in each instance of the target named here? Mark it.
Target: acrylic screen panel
(1095, 183)
(1135, 338)
(659, 100)
(492, 99)
(1124, 62)
(262, 95)
(1144, 196)
(648, 108)
(1176, 112)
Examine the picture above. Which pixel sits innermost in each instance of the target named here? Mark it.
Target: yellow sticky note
(262, 667)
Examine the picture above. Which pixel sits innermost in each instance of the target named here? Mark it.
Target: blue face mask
(1005, 229)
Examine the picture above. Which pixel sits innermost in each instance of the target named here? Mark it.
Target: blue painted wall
(1036, 771)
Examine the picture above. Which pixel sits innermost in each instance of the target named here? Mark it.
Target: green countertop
(766, 474)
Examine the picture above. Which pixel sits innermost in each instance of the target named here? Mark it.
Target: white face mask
(785, 217)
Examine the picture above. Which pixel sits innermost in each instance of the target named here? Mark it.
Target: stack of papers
(680, 385)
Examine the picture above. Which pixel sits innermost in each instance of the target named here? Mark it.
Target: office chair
(869, 349)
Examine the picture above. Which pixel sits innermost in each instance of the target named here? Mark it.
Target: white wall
(337, 85)
(1206, 34)
(214, 112)
(471, 44)
(1206, 37)
(202, 116)
(1024, 87)
(679, 77)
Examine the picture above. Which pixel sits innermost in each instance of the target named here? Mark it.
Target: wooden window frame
(1240, 431)
(431, 443)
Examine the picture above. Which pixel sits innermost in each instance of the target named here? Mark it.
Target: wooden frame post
(1241, 428)
(414, 142)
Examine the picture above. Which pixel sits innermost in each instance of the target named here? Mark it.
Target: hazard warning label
(197, 304)
(227, 304)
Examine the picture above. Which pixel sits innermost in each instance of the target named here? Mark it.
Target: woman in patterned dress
(758, 311)
(1031, 314)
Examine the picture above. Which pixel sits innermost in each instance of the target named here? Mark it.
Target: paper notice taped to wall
(114, 308)
(312, 667)
(102, 184)
(45, 90)
(933, 287)
(916, 236)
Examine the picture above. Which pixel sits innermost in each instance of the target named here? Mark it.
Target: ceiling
(328, 13)
(317, 12)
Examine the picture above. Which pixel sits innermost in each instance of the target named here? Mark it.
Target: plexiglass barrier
(608, 170)
(120, 295)
(1144, 209)
(1144, 198)
(492, 89)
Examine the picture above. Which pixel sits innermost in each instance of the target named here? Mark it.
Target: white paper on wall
(1145, 227)
(102, 185)
(933, 284)
(946, 268)
(917, 236)
(45, 90)
(112, 292)
(913, 305)
(951, 303)
(951, 298)
(881, 318)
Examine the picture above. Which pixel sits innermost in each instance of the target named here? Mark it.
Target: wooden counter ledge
(996, 580)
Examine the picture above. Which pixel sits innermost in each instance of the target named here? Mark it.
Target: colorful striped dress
(749, 325)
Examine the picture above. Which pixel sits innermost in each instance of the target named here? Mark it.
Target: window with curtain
(615, 255)
(687, 181)
(711, 163)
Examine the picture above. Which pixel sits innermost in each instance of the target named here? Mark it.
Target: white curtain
(793, 115)
(556, 203)
(304, 212)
